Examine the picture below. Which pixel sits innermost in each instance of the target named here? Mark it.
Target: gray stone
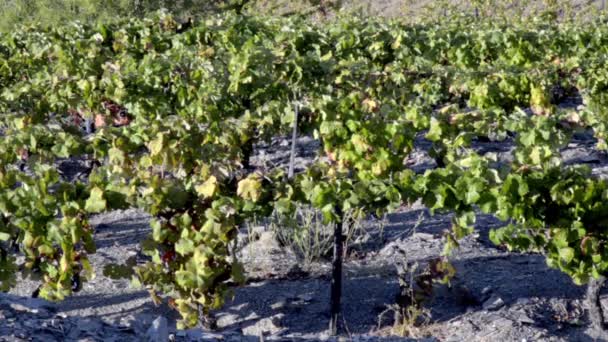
(158, 331)
(307, 297)
(270, 325)
(523, 301)
(200, 335)
(227, 320)
(424, 236)
(61, 315)
(493, 303)
(279, 305)
(20, 307)
(252, 316)
(523, 318)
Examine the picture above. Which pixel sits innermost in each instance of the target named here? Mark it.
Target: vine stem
(336, 274)
(247, 152)
(89, 126)
(206, 318)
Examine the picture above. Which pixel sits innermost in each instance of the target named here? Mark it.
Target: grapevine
(173, 115)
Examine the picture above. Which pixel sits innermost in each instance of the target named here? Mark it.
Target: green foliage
(199, 98)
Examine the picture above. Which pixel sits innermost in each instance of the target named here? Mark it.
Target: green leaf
(560, 239)
(535, 155)
(527, 138)
(96, 202)
(184, 247)
(435, 131)
(4, 236)
(156, 146)
(361, 146)
(566, 253)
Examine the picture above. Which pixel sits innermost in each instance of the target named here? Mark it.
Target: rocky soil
(495, 296)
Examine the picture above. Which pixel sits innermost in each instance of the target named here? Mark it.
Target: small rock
(198, 334)
(279, 305)
(38, 310)
(227, 320)
(20, 307)
(270, 325)
(524, 318)
(493, 304)
(251, 317)
(158, 331)
(424, 236)
(55, 323)
(485, 294)
(523, 301)
(307, 297)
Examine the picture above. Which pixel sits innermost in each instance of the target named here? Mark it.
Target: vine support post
(294, 138)
(336, 274)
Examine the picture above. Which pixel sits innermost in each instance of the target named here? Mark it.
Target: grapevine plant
(166, 117)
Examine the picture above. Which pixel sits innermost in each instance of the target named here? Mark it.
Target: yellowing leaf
(535, 155)
(370, 105)
(250, 188)
(566, 253)
(574, 117)
(540, 101)
(361, 146)
(4, 236)
(156, 145)
(208, 188)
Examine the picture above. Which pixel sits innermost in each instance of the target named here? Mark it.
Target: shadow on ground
(301, 307)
